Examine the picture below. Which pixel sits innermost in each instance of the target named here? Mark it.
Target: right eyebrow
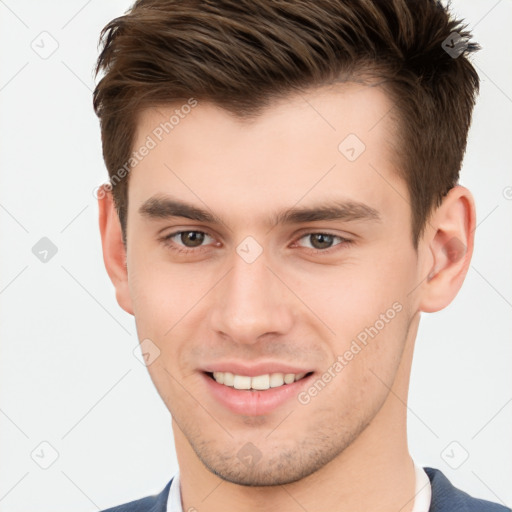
(163, 207)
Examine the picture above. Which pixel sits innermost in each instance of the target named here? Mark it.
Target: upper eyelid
(342, 239)
(296, 238)
(174, 233)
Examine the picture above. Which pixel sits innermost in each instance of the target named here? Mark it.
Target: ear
(450, 240)
(114, 252)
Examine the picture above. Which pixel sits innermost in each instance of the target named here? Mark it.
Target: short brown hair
(241, 54)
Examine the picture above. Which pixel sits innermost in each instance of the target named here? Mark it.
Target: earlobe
(450, 242)
(114, 251)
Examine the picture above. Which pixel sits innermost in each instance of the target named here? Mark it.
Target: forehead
(334, 142)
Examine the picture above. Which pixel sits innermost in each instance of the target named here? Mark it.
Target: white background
(68, 375)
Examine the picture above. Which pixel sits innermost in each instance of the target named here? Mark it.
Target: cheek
(161, 293)
(368, 362)
(352, 295)
(365, 309)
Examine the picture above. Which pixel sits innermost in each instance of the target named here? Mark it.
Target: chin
(262, 477)
(276, 466)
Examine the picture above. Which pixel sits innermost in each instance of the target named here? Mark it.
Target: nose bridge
(250, 301)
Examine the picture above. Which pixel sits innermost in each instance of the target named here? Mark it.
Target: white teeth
(260, 382)
(276, 380)
(289, 378)
(242, 382)
(229, 378)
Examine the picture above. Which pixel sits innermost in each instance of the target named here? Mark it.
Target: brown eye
(187, 241)
(192, 238)
(323, 241)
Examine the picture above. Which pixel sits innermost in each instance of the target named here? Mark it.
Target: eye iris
(195, 237)
(324, 241)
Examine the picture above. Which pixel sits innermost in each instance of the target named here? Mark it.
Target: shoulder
(155, 503)
(447, 498)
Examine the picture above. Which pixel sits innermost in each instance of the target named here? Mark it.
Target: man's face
(242, 294)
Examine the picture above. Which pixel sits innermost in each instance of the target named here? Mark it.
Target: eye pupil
(324, 240)
(195, 237)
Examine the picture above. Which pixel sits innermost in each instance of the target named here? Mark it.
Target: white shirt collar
(422, 498)
(423, 492)
(174, 498)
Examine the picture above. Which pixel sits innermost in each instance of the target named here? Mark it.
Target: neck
(375, 473)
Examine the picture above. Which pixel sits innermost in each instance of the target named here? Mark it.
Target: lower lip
(254, 403)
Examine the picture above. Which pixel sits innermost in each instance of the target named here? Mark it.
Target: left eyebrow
(163, 207)
(344, 211)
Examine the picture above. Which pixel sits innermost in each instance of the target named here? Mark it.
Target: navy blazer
(445, 498)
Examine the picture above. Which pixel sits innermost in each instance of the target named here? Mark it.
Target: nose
(250, 302)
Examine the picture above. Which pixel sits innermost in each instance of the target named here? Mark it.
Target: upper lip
(253, 370)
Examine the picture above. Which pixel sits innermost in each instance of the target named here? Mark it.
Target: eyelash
(167, 241)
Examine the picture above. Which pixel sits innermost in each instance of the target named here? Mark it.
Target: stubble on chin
(262, 462)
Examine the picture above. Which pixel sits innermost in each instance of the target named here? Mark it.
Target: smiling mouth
(258, 382)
